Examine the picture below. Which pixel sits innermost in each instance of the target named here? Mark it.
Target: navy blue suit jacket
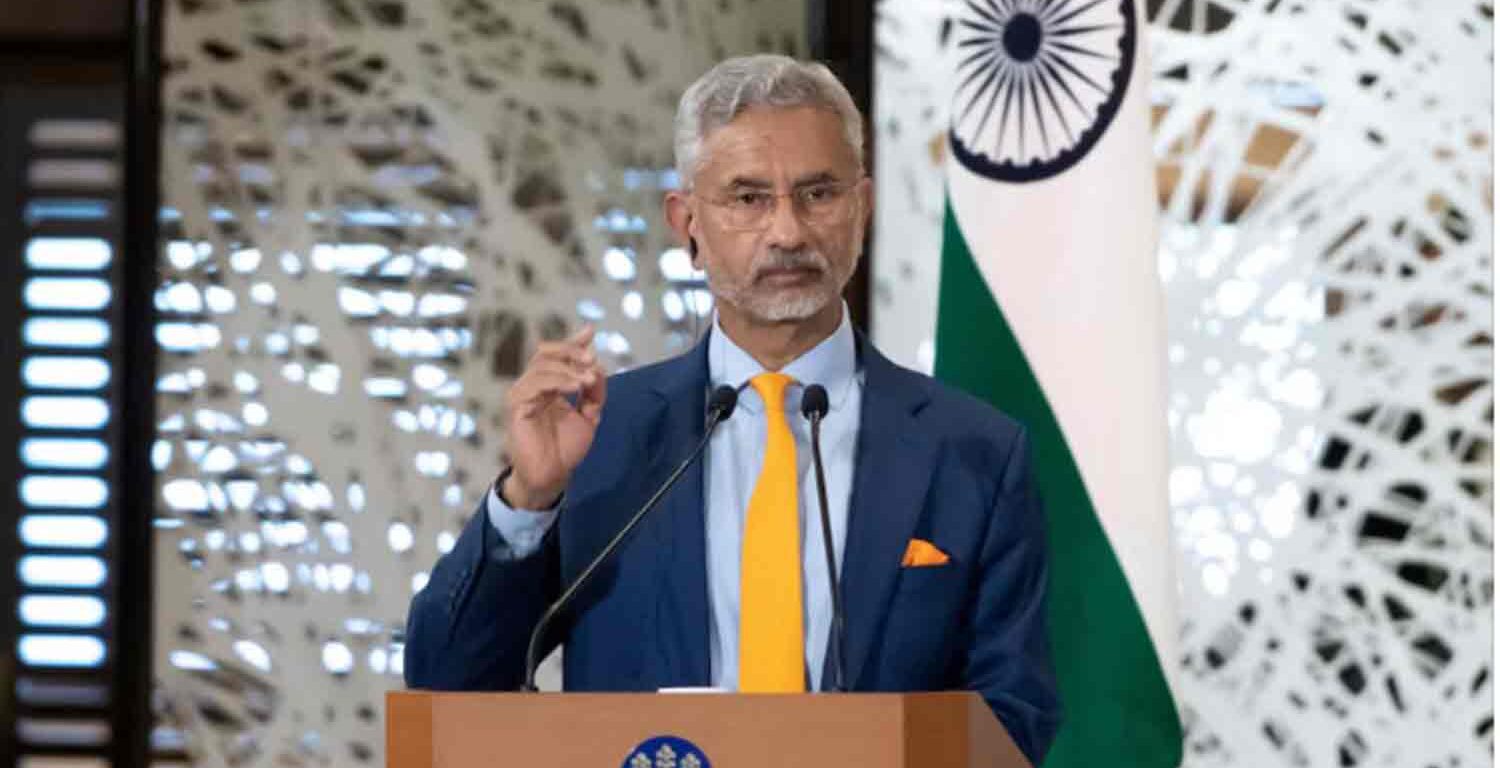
(930, 463)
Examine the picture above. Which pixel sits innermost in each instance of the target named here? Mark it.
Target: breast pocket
(925, 624)
(932, 587)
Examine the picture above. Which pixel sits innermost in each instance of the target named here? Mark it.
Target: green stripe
(1117, 708)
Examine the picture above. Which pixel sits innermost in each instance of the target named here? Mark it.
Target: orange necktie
(771, 560)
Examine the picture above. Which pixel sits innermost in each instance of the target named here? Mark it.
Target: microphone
(721, 404)
(814, 408)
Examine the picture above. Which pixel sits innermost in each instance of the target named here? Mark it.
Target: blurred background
(271, 265)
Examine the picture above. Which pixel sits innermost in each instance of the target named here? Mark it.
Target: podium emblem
(666, 752)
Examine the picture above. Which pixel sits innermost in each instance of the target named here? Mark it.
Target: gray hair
(763, 80)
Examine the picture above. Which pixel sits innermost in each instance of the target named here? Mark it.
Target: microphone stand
(814, 407)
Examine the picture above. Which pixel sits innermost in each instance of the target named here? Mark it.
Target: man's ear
(865, 189)
(679, 215)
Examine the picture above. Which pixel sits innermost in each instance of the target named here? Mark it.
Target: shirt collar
(832, 363)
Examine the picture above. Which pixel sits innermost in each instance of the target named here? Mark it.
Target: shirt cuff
(521, 529)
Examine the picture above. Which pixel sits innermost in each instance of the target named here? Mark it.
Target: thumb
(591, 398)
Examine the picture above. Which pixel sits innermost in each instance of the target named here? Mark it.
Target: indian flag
(1050, 308)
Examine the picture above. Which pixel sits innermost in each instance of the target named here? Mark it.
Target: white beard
(784, 305)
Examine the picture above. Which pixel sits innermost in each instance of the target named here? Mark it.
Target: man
(934, 515)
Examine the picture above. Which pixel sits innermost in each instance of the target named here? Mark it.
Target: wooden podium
(918, 730)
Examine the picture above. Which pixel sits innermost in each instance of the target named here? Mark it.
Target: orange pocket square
(922, 554)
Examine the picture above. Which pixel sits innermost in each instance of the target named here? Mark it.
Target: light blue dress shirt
(733, 462)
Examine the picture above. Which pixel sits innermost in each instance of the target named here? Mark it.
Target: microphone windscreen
(722, 400)
(814, 401)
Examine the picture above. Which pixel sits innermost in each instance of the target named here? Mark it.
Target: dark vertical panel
(842, 35)
(133, 678)
(10, 414)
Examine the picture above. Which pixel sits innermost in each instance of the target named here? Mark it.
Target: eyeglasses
(824, 202)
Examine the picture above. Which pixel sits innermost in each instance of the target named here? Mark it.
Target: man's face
(778, 209)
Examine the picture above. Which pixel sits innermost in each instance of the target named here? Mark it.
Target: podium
(875, 730)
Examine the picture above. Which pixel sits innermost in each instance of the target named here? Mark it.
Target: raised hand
(554, 409)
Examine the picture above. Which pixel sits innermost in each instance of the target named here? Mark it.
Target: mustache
(777, 259)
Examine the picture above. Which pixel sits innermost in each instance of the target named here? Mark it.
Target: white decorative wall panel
(910, 127)
(1327, 224)
(373, 210)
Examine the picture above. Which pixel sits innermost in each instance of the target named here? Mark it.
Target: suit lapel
(682, 601)
(894, 462)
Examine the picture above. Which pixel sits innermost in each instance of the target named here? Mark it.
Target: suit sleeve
(468, 628)
(1010, 662)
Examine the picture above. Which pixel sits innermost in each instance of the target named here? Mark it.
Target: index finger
(582, 336)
